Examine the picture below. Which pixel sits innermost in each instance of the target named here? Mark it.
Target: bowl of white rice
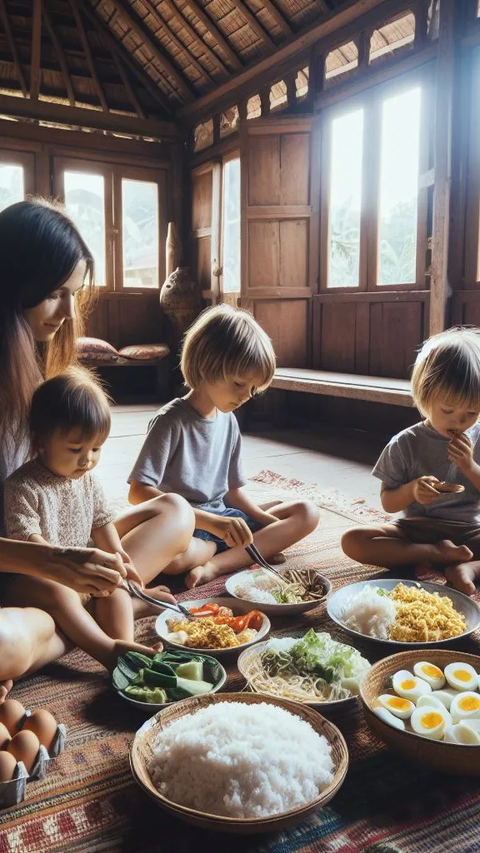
(264, 590)
(240, 762)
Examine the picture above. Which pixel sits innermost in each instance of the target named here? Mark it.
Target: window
(119, 213)
(16, 177)
(216, 228)
(373, 208)
(140, 228)
(398, 196)
(345, 200)
(231, 226)
(341, 61)
(394, 36)
(84, 197)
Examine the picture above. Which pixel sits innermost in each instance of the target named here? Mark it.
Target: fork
(256, 556)
(162, 605)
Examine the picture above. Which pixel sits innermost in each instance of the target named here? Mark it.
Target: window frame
(113, 175)
(25, 159)
(371, 101)
(472, 201)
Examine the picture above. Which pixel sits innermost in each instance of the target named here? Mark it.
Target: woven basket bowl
(142, 752)
(454, 759)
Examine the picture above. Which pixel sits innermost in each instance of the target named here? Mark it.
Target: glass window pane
(345, 200)
(12, 187)
(140, 223)
(231, 226)
(399, 164)
(85, 203)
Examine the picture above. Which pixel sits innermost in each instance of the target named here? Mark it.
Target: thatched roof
(143, 57)
(149, 58)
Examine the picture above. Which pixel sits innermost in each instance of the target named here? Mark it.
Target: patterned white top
(63, 511)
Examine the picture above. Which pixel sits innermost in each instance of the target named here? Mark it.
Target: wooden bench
(374, 389)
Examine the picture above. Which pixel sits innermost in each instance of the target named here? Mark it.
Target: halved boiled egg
(388, 718)
(465, 705)
(461, 676)
(430, 700)
(401, 708)
(445, 696)
(463, 732)
(409, 686)
(430, 721)
(430, 673)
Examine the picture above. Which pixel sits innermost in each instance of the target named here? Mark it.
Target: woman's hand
(233, 531)
(132, 573)
(87, 570)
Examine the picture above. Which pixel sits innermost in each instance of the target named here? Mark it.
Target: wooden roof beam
(215, 33)
(254, 23)
(182, 20)
(127, 85)
(123, 54)
(13, 49)
(36, 49)
(185, 91)
(58, 47)
(343, 21)
(91, 118)
(88, 53)
(171, 35)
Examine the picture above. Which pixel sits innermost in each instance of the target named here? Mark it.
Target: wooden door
(278, 267)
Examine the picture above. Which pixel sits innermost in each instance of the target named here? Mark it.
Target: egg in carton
(23, 758)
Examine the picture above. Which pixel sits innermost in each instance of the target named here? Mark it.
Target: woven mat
(88, 801)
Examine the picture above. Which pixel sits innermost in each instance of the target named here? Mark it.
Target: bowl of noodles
(313, 669)
(301, 590)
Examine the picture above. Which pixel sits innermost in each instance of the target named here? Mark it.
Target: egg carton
(14, 791)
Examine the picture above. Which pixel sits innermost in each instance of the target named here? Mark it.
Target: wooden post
(439, 284)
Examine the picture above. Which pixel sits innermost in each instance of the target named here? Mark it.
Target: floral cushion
(94, 349)
(145, 352)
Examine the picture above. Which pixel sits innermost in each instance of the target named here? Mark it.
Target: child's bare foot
(277, 559)
(200, 575)
(448, 553)
(463, 576)
(5, 687)
(120, 647)
(142, 608)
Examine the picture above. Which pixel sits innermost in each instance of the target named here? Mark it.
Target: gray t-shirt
(196, 457)
(420, 451)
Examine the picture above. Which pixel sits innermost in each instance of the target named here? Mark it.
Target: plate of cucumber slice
(151, 682)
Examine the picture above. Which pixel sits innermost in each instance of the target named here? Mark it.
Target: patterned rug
(88, 801)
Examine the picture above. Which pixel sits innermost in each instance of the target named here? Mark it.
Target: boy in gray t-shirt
(193, 448)
(431, 471)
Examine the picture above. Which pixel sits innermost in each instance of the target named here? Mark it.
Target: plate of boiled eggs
(442, 704)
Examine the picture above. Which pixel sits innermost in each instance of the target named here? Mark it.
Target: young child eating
(193, 447)
(56, 499)
(431, 471)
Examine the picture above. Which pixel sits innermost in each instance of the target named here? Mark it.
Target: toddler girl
(431, 471)
(56, 499)
(193, 447)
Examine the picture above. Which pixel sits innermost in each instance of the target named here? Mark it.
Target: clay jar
(180, 301)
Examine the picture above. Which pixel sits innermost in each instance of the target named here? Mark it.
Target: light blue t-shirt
(420, 451)
(196, 457)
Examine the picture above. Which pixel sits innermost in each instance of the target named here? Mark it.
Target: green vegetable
(152, 695)
(159, 679)
(160, 666)
(136, 660)
(194, 688)
(192, 670)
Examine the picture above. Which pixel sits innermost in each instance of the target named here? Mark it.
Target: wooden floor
(340, 460)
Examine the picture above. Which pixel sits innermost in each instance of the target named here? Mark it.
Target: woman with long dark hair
(46, 289)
